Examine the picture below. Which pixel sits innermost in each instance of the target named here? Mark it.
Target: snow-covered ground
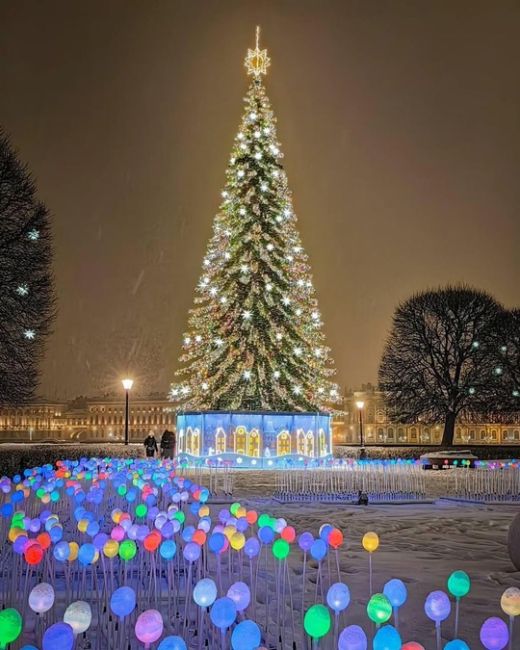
(421, 544)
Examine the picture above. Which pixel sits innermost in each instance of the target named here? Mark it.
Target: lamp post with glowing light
(360, 406)
(127, 385)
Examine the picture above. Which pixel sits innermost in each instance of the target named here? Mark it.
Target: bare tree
(506, 350)
(27, 301)
(437, 365)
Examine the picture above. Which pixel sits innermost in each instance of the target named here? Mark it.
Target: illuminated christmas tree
(255, 339)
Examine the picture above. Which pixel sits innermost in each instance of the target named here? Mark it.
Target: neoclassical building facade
(102, 418)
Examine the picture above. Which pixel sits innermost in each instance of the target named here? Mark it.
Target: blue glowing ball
(61, 551)
(387, 638)
(187, 533)
(205, 592)
(395, 591)
(246, 636)
(216, 542)
(59, 635)
(457, 644)
(168, 549)
(191, 552)
(353, 637)
(99, 540)
(93, 529)
(28, 647)
(122, 601)
(6, 510)
(305, 541)
(319, 549)
(19, 544)
(252, 547)
(266, 534)
(86, 554)
(240, 594)
(223, 613)
(437, 606)
(172, 643)
(325, 531)
(338, 597)
(56, 533)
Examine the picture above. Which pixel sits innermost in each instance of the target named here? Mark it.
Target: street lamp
(360, 406)
(127, 385)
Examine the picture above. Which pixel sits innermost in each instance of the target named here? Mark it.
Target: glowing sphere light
(510, 601)
(59, 635)
(387, 638)
(494, 634)
(437, 606)
(459, 584)
(223, 613)
(379, 608)
(149, 626)
(41, 598)
(353, 637)
(10, 626)
(395, 591)
(246, 636)
(338, 597)
(317, 621)
(79, 616)
(172, 643)
(123, 601)
(205, 592)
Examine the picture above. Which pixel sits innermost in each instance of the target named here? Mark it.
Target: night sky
(399, 121)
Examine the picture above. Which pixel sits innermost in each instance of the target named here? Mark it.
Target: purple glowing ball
(494, 634)
(149, 626)
(437, 606)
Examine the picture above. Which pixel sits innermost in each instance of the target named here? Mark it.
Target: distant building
(99, 418)
(380, 428)
(102, 418)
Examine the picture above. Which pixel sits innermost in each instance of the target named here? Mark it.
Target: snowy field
(421, 544)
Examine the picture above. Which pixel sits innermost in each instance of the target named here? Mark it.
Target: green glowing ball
(121, 490)
(281, 549)
(180, 516)
(10, 626)
(317, 621)
(233, 508)
(127, 550)
(459, 584)
(141, 510)
(263, 520)
(379, 608)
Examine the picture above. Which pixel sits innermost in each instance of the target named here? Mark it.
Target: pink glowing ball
(149, 626)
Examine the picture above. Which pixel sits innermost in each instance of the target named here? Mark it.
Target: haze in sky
(399, 122)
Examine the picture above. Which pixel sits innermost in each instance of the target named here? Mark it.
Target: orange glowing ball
(33, 554)
(44, 540)
(288, 534)
(252, 517)
(335, 538)
(199, 537)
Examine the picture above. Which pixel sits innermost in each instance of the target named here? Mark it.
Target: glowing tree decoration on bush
(255, 339)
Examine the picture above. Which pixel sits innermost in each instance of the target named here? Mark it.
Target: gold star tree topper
(257, 60)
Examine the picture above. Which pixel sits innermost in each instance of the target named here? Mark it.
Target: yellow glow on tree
(255, 338)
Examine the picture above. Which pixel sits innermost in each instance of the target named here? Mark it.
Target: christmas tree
(255, 339)
(26, 281)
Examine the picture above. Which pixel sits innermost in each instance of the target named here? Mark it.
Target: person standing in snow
(150, 445)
